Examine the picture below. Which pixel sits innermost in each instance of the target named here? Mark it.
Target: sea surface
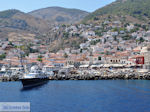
(81, 96)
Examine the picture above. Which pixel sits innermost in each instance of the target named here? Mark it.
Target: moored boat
(34, 78)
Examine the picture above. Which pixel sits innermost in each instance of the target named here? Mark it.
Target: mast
(20, 57)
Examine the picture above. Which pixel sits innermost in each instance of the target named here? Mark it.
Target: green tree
(66, 35)
(65, 55)
(141, 39)
(99, 58)
(40, 58)
(2, 56)
(81, 50)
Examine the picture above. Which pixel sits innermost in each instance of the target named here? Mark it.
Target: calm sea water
(81, 96)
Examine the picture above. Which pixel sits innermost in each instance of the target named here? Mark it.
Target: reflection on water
(36, 87)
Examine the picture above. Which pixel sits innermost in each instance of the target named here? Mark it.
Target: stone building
(146, 52)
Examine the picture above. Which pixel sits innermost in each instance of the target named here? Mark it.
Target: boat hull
(33, 82)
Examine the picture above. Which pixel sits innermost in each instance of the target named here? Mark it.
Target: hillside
(60, 15)
(20, 25)
(16, 19)
(139, 9)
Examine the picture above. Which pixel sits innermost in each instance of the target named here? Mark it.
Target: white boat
(34, 77)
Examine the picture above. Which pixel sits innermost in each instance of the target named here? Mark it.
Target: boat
(35, 77)
(5, 73)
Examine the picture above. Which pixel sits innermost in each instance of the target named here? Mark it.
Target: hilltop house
(88, 34)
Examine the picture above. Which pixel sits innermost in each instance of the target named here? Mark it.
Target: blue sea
(81, 96)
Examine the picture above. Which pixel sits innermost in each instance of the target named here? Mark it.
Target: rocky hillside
(16, 19)
(139, 9)
(36, 22)
(23, 27)
(19, 23)
(60, 15)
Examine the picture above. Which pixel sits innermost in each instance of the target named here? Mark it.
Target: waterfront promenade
(102, 74)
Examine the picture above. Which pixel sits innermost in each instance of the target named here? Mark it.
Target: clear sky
(29, 5)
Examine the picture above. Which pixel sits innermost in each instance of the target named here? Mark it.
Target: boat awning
(15, 68)
(96, 66)
(107, 65)
(49, 66)
(132, 65)
(69, 66)
(117, 65)
(84, 66)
